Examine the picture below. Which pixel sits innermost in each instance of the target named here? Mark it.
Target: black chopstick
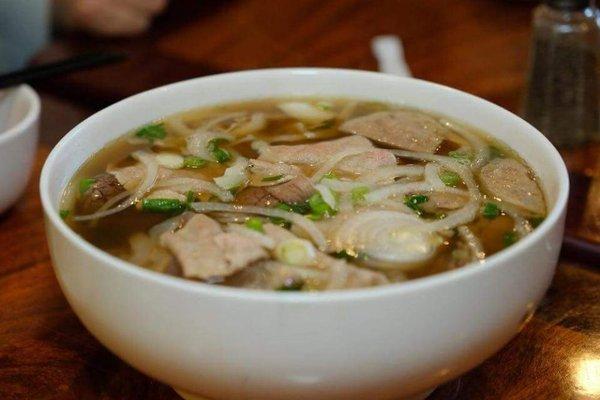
(39, 72)
(577, 249)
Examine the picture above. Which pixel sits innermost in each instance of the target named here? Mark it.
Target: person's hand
(108, 17)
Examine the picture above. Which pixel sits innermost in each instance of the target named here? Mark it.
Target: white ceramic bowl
(19, 120)
(379, 343)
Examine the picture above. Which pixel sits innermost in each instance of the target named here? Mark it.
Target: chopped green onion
(490, 210)
(221, 155)
(461, 156)
(329, 175)
(450, 178)
(319, 208)
(190, 197)
(324, 106)
(510, 238)
(152, 132)
(414, 201)
(298, 252)
(255, 224)
(193, 162)
(536, 221)
(272, 178)
(495, 152)
(291, 285)
(64, 213)
(163, 206)
(358, 194)
(298, 208)
(85, 184)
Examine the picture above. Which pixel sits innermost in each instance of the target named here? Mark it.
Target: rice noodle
(168, 225)
(522, 226)
(339, 185)
(331, 162)
(455, 218)
(307, 225)
(104, 211)
(432, 175)
(472, 242)
(387, 174)
(183, 185)
(292, 137)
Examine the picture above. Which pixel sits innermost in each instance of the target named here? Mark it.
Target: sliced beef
(297, 190)
(313, 153)
(366, 162)
(104, 187)
(404, 129)
(444, 201)
(206, 252)
(510, 181)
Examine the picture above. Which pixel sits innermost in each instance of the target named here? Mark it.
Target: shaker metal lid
(568, 5)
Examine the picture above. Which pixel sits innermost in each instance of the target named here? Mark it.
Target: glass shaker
(562, 94)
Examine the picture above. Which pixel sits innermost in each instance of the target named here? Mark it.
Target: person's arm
(107, 17)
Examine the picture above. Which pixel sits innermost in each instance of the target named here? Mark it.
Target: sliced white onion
(183, 185)
(388, 239)
(259, 146)
(149, 161)
(216, 121)
(234, 176)
(385, 175)
(177, 126)
(480, 149)
(257, 122)
(297, 252)
(342, 186)
(396, 189)
(327, 195)
(333, 160)
(262, 239)
(472, 242)
(197, 144)
(305, 112)
(304, 223)
(170, 160)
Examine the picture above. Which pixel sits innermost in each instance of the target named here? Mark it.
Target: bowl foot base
(189, 396)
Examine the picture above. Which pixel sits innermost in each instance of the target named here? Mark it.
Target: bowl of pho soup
(304, 221)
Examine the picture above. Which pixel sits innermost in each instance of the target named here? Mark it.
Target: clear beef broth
(304, 194)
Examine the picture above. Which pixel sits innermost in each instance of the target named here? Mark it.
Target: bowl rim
(32, 115)
(431, 281)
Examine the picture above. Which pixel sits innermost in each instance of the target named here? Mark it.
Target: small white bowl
(19, 125)
(227, 343)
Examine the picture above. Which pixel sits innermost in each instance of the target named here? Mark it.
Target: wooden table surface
(479, 46)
